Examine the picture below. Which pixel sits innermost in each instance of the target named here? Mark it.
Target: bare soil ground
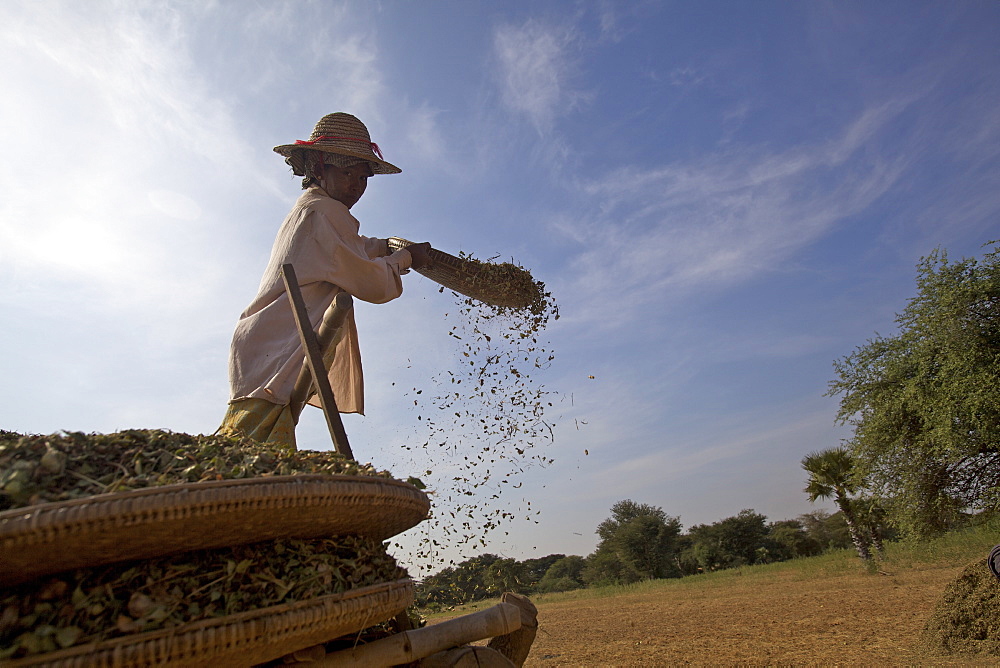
(786, 616)
(775, 619)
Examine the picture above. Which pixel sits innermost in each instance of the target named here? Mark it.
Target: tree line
(640, 542)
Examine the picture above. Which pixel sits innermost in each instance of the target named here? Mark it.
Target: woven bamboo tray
(244, 639)
(464, 277)
(158, 521)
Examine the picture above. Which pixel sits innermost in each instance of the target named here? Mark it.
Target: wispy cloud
(725, 217)
(138, 147)
(536, 70)
(425, 136)
(142, 200)
(145, 108)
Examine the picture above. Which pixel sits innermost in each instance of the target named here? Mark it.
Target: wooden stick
(333, 320)
(314, 358)
(409, 646)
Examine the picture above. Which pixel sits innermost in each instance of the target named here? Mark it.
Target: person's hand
(421, 254)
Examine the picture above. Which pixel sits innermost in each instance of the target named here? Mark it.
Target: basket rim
(158, 521)
(174, 488)
(270, 632)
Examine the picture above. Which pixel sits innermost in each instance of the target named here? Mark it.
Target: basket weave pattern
(463, 277)
(153, 522)
(255, 636)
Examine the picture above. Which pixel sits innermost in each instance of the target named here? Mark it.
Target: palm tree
(870, 516)
(830, 477)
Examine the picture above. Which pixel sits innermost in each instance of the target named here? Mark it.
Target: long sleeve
(376, 247)
(320, 239)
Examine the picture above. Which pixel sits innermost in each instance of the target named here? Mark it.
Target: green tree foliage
(792, 540)
(503, 575)
(925, 403)
(871, 517)
(638, 542)
(460, 584)
(743, 539)
(829, 530)
(484, 576)
(536, 569)
(565, 574)
(603, 568)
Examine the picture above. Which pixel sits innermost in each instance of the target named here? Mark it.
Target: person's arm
(375, 247)
(419, 253)
(333, 252)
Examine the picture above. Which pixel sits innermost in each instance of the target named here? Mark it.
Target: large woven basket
(158, 521)
(244, 639)
(467, 277)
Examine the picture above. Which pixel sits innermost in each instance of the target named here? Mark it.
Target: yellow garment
(260, 420)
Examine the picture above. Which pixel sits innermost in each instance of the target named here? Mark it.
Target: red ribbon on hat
(374, 146)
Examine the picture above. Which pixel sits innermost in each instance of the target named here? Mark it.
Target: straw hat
(341, 134)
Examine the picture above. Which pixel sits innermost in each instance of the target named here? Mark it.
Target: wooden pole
(410, 646)
(333, 320)
(314, 358)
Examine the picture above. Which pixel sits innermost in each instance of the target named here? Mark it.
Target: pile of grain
(59, 467)
(101, 603)
(105, 602)
(967, 619)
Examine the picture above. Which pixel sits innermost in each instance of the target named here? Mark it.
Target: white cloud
(141, 206)
(536, 71)
(682, 228)
(352, 70)
(425, 135)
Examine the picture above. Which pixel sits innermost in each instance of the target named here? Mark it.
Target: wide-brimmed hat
(342, 134)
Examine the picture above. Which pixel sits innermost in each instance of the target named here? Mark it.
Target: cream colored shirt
(320, 239)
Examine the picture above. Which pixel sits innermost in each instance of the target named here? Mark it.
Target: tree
(504, 575)
(743, 539)
(830, 476)
(925, 403)
(533, 570)
(638, 542)
(870, 516)
(603, 567)
(794, 540)
(481, 577)
(563, 575)
(829, 530)
(470, 580)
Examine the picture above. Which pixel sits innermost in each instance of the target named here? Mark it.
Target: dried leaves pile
(59, 467)
(484, 419)
(964, 620)
(99, 603)
(503, 284)
(94, 604)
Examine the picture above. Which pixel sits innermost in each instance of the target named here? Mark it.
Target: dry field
(843, 620)
(778, 615)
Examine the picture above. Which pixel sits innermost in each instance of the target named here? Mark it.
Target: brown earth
(786, 618)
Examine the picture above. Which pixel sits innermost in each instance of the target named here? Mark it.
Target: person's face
(346, 184)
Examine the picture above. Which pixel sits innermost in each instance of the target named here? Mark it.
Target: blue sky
(724, 197)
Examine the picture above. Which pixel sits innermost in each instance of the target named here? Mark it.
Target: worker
(320, 239)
